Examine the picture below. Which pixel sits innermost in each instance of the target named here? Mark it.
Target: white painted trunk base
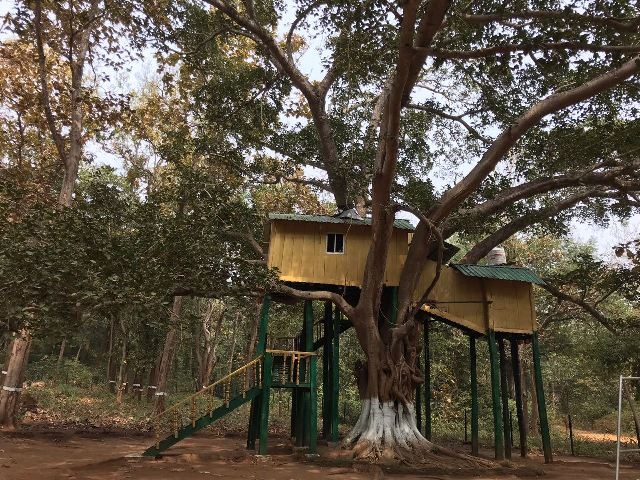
(387, 432)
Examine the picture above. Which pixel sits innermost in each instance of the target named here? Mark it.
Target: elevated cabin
(327, 250)
(483, 297)
(322, 249)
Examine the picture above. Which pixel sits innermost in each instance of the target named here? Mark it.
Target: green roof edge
(400, 223)
(499, 272)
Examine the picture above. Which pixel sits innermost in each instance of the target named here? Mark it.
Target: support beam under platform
(542, 406)
(517, 384)
(495, 396)
(473, 367)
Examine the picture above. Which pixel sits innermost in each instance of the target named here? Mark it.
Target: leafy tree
(523, 70)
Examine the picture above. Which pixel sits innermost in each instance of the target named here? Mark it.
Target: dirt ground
(98, 455)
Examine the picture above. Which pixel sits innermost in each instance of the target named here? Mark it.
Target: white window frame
(326, 243)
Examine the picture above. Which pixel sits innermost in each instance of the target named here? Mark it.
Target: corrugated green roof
(499, 272)
(399, 223)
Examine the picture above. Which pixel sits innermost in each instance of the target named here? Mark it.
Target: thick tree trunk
(386, 429)
(10, 393)
(168, 353)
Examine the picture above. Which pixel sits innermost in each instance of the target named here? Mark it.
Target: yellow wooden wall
(510, 305)
(298, 250)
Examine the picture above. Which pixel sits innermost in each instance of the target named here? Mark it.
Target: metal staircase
(273, 369)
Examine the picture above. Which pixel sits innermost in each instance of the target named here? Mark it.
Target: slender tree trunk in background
(5, 366)
(153, 376)
(60, 357)
(111, 381)
(207, 345)
(10, 393)
(525, 398)
(122, 372)
(168, 352)
(136, 386)
(77, 358)
(632, 405)
(253, 336)
(533, 417)
(234, 339)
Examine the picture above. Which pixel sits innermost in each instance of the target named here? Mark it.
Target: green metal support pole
(473, 367)
(308, 347)
(264, 407)
(419, 400)
(327, 358)
(517, 384)
(427, 381)
(294, 411)
(495, 396)
(264, 325)
(504, 390)
(335, 376)
(254, 414)
(393, 311)
(542, 406)
(313, 405)
(254, 423)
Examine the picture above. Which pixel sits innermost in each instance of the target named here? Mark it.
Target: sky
(603, 238)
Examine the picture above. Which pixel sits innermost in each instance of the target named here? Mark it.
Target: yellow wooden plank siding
(460, 299)
(299, 251)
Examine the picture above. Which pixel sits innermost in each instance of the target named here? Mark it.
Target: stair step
(204, 421)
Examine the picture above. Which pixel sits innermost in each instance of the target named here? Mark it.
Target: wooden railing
(293, 369)
(190, 409)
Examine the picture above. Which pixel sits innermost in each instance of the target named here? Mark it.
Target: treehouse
(495, 302)
(314, 250)
(310, 252)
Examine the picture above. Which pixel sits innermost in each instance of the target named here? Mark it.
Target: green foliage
(71, 372)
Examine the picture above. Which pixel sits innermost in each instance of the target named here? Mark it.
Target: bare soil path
(75, 456)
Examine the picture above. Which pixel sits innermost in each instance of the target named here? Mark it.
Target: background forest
(142, 145)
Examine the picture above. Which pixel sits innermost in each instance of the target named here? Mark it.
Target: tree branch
(624, 24)
(482, 248)
(452, 198)
(430, 23)
(45, 95)
(313, 94)
(501, 145)
(594, 312)
(456, 118)
(250, 240)
(335, 298)
(588, 176)
(527, 48)
(299, 19)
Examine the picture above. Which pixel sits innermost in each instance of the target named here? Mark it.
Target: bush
(70, 373)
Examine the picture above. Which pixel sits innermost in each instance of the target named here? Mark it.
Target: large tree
(523, 102)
